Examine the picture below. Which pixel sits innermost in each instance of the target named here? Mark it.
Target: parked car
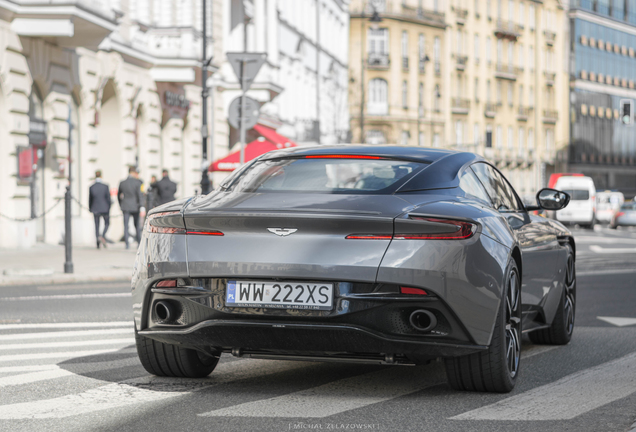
(582, 208)
(372, 254)
(608, 203)
(625, 216)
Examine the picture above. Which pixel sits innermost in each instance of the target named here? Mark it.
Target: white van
(582, 207)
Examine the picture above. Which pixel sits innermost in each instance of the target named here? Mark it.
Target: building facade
(603, 74)
(115, 83)
(491, 77)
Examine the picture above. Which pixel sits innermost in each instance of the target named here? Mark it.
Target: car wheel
(560, 332)
(495, 369)
(167, 360)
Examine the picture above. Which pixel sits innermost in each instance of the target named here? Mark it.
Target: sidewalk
(44, 264)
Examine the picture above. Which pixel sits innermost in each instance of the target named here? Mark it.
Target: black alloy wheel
(497, 368)
(560, 332)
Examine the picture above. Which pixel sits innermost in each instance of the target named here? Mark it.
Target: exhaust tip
(423, 320)
(164, 311)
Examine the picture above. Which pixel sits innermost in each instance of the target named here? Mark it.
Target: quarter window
(500, 192)
(470, 184)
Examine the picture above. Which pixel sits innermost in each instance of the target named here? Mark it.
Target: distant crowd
(131, 198)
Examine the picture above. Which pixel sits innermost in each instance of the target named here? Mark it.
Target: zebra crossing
(37, 357)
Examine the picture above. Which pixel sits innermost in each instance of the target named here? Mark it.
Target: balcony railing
(506, 71)
(550, 116)
(461, 15)
(461, 62)
(460, 106)
(438, 68)
(405, 63)
(550, 37)
(507, 29)
(400, 10)
(378, 61)
(422, 65)
(490, 109)
(549, 78)
(523, 112)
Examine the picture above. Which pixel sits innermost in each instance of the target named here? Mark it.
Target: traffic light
(626, 111)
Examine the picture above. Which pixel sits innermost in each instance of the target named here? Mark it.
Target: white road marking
(63, 355)
(140, 390)
(566, 398)
(618, 321)
(67, 297)
(69, 344)
(602, 250)
(338, 396)
(27, 368)
(66, 334)
(65, 325)
(536, 350)
(605, 272)
(608, 240)
(33, 377)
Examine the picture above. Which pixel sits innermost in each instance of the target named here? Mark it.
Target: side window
(496, 186)
(470, 184)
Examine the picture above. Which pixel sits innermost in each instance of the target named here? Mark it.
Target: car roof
(420, 154)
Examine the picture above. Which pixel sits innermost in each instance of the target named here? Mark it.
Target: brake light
(409, 290)
(461, 230)
(156, 227)
(340, 156)
(368, 237)
(168, 283)
(620, 214)
(212, 233)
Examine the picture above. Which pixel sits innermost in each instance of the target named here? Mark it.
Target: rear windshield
(628, 206)
(325, 175)
(578, 194)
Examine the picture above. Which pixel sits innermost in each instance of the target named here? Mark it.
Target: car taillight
(409, 290)
(620, 214)
(172, 223)
(201, 232)
(167, 283)
(431, 229)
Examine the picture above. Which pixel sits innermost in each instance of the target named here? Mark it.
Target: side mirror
(551, 199)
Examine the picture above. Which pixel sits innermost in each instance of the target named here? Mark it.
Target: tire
(167, 360)
(497, 368)
(560, 332)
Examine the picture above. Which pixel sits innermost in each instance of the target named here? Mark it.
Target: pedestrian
(166, 189)
(130, 201)
(99, 205)
(151, 195)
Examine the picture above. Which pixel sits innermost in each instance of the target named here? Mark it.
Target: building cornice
(603, 88)
(603, 20)
(403, 18)
(64, 10)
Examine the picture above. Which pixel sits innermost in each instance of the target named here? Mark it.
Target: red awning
(252, 151)
(273, 136)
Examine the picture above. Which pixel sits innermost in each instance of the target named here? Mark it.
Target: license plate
(280, 295)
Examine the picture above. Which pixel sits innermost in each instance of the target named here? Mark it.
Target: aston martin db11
(372, 254)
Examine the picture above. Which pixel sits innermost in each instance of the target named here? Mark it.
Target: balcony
(523, 112)
(438, 68)
(400, 11)
(507, 30)
(70, 24)
(550, 37)
(549, 78)
(550, 116)
(405, 63)
(507, 72)
(490, 110)
(461, 62)
(422, 65)
(460, 106)
(461, 15)
(378, 61)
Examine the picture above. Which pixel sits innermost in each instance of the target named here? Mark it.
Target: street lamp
(375, 21)
(420, 108)
(205, 179)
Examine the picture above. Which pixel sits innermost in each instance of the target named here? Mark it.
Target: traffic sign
(246, 66)
(251, 114)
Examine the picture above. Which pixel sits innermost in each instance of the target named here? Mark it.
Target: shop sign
(27, 160)
(173, 101)
(37, 132)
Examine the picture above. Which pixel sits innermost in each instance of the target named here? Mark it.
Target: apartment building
(491, 77)
(603, 76)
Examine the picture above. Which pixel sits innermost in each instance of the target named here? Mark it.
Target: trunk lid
(259, 240)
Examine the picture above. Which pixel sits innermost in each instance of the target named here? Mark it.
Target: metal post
(362, 47)
(68, 239)
(318, 48)
(242, 112)
(205, 179)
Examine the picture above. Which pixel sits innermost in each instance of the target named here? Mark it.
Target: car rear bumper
(276, 339)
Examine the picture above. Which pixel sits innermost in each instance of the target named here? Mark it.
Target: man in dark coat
(99, 205)
(165, 188)
(130, 201)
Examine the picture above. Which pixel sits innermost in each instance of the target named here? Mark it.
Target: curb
(63, 279)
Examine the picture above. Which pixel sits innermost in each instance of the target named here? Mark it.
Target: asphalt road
(68, 363)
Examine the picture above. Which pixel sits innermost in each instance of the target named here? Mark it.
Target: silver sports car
(372, 254)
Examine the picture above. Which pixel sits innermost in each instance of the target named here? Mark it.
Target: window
(436, 140)
(531, 57)
(520, 96)
(459, 132)
(476, 134)
(477, 48)
(522, 18)
(421, 42)
(420, 99)
(405, 44)
(488, 92)
(436, 53)
(521, 56)
(378, 41)
(488, 50)
(378, 91)
(531, 17)
(511, 54)
(405, 94)
(510, 95)
(511, 10)
(530, 140)
(476, 89)
(499, 137)
(437, 96)
(460, 42)
(522, 137)
(499, 96)
(405, 138)
(549, 140)
(375, 137)
(488, 136)
(531, 97)
(497, 188)
(511, 139)
(499, 51)
(476, 8)
(421, 139)
(489, 8)
(472, 187)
